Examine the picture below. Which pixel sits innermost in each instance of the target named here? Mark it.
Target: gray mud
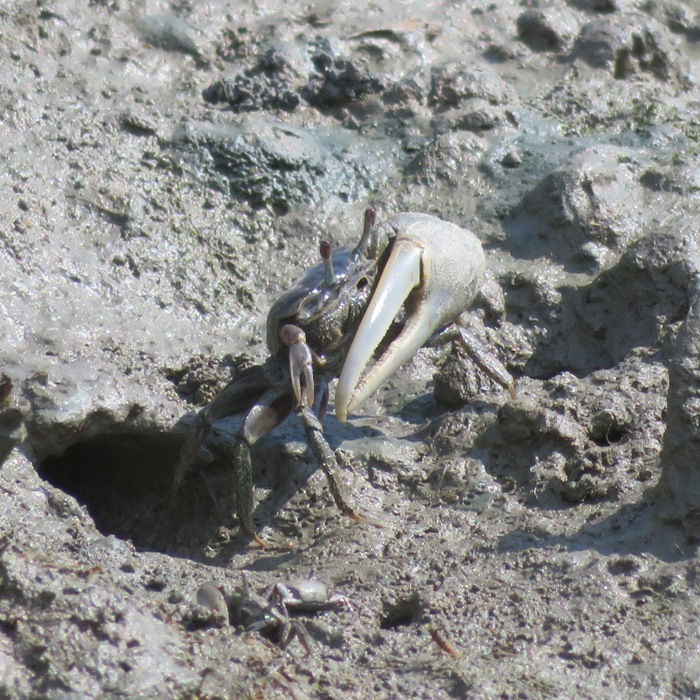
(168, 171)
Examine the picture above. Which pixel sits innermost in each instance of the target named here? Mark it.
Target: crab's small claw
(301, 359)
(434, 270)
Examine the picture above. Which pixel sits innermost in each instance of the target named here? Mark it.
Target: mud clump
(626, 49)
(337, 81)
(247, 94)
(549, 29)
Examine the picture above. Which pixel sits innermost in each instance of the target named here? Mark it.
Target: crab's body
(413, 273)
(268, 611)
(329, 316)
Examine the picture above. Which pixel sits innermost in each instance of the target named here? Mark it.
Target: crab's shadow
(284, 464)
(124, 480)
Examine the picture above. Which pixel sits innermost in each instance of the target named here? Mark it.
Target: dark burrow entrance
(124, 481)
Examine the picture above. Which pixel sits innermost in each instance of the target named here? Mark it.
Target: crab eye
(362, 283)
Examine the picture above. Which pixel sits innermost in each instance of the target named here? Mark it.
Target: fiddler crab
(268, 611)
(413, 273)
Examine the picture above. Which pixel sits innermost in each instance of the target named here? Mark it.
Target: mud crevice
(402, 612)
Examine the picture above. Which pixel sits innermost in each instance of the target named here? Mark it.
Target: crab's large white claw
(434, 270)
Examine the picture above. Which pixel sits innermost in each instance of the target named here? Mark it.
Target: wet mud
(169, 170)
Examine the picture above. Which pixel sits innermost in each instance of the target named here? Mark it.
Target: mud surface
(166, 172)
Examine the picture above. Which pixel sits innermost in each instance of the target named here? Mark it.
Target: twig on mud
(442, 642)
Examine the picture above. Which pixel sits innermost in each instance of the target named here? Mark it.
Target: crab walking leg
(238, 395)
(485, 360)
(296, 629)
(481, 355)
(326, 458)
(243, 476)
(194, 439)
(272, 408)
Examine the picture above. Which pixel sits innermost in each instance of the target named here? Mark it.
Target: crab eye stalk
(326, 256)
(364, 244)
